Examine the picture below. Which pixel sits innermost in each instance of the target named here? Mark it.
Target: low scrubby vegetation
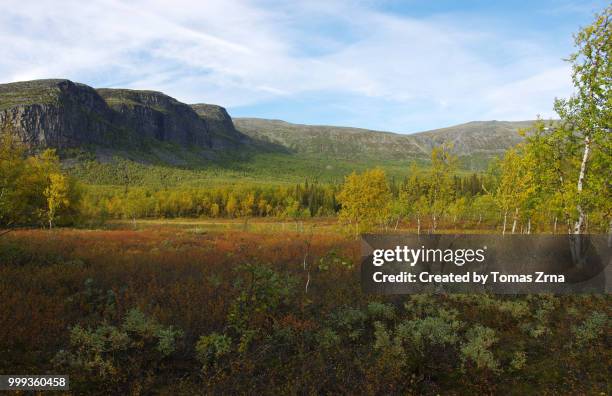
(168, 310)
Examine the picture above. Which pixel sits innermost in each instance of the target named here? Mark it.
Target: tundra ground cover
(171, 310)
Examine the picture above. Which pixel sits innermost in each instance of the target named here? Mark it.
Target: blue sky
(402, 66)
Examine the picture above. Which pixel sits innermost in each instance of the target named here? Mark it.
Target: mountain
(151, 127)
(63, 114)
(219, 122)
(479, 138)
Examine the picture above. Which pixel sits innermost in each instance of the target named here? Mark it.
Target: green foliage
(593, 328)
(166, 165)
(440, 189)
(211, 348)
(33, 189)
(333, 259)
(264, 336)
(381, 311)
(293, 202)
(429, 332)
(120, 357)
(515, 187)
(262, 291)
(476, 350)
(516, 309)
(544, 306)
(561, 173)
(350, 322)
(384, 343)
(519, 360)
(365, 199)
(328, 338)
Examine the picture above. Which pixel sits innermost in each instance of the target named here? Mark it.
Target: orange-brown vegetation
(246, 323)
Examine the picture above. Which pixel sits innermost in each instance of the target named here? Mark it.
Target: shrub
(350, 322)
(476, 348)
(430, 331)
(518, 360)
(544, 307)
(377, 310)
(591, 329)
(333, 259)
(328, 338)
(517, 309)
(211, 348)
(421, 305)
(261, 293)
(125, 356)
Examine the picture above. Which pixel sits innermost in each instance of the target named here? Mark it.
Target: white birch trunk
(579, 225)
(576, 239)
(529, 226)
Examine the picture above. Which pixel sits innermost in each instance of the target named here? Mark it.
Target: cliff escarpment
(61, 114)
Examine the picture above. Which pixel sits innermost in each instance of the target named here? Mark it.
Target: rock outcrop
(216, 117)
(155, 115)
(64, 114)
(54, 113)
(220, 124)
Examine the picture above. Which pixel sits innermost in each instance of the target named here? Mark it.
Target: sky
(402, 66)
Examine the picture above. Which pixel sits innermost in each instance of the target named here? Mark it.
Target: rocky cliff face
(54, 113)
(220, 124)
(62, 114)
(157, 116)
(216, 116)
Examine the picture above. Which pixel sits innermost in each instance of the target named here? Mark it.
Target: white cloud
(239, 53)
(518, 99)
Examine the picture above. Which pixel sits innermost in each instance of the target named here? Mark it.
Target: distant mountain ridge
(63, 114)
(485, 138)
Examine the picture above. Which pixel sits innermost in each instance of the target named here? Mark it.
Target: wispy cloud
(376, 68)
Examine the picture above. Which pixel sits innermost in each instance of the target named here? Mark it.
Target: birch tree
(440, 183)
(57, 195)
(515, 186)
(586, 117)
(365, 199)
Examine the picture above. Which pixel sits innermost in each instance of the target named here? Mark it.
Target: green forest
(536, 186)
